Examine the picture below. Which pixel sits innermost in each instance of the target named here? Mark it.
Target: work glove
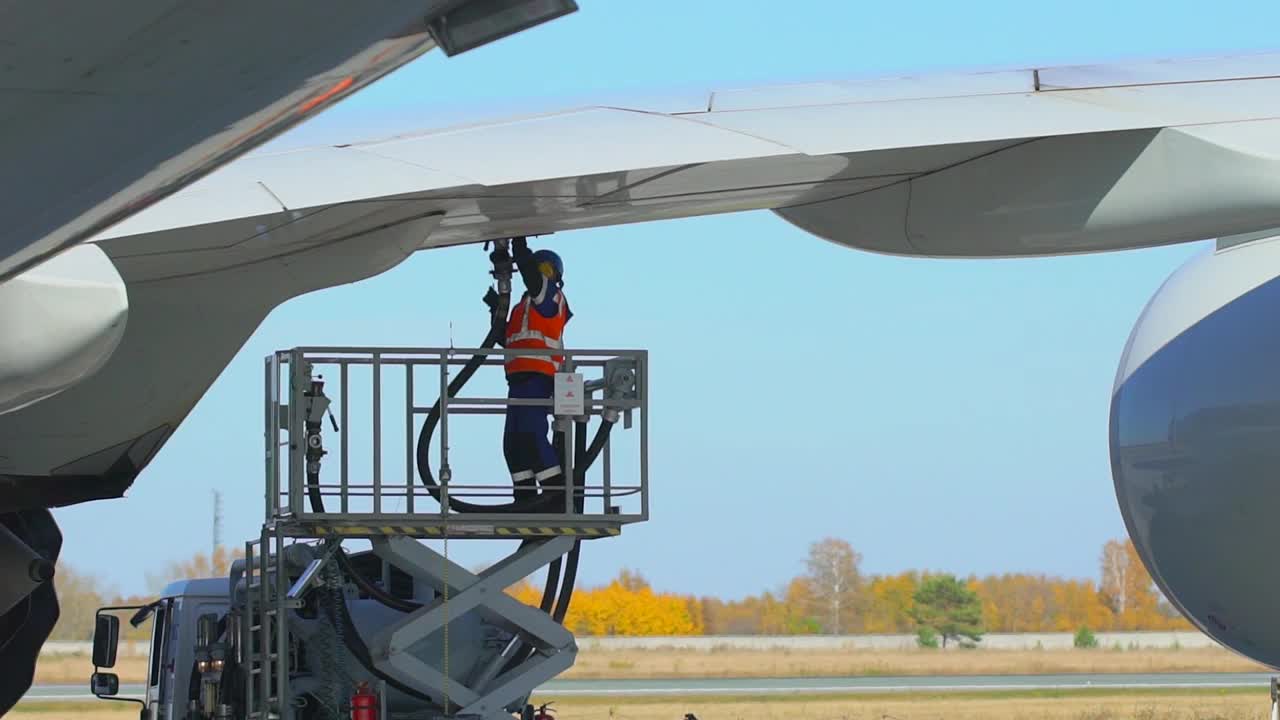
(491, 299)
(520, 245)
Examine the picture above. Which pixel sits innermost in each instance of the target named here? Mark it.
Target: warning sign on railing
(569, 394)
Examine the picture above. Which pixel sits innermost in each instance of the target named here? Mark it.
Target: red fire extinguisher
(364, 704)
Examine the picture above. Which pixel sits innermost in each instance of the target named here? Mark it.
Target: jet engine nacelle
(60, 322)
(1195, 443)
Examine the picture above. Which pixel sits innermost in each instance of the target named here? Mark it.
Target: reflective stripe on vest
(527, 329)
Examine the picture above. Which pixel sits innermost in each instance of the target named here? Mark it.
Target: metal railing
(375, 403)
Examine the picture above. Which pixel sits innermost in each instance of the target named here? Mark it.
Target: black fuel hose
(372, 589)
(541, 503)
(368, 587)
(588, 456)
(579, 502)
(570, 577)
(549, 589)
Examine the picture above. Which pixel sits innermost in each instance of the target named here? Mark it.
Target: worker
(537, 321)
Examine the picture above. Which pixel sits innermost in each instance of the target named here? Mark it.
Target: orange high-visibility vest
(527, 328)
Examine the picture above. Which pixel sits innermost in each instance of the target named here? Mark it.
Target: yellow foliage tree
(626, 606)
(1125, 598)
(1079, 605)
(891, 600)
(1130, 593)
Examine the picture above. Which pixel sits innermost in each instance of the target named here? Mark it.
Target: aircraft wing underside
(1029, 162)
(106, 107)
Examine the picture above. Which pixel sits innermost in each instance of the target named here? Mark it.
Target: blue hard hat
(547, 256)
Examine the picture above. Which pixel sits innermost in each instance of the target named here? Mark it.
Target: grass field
(1072, 705)
(837, 663)
(655, 664)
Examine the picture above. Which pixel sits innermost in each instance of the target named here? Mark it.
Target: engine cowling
(1195, 443)
(60, 321)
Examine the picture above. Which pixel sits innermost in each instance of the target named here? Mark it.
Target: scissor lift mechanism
(366, 503)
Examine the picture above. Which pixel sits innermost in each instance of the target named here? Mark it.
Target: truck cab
(174, 645)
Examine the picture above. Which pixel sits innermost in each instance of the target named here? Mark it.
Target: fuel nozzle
(318, 404)
(503, 265)
(316, 408)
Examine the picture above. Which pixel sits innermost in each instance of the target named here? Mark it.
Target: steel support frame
(555, 647)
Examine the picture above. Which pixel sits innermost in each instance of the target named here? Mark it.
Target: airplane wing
(1011, 163)
(106, 107)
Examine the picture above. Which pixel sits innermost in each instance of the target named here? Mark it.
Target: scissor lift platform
(364, 500)
(357, 477)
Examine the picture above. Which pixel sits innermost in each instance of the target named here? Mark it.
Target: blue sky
(941, 414)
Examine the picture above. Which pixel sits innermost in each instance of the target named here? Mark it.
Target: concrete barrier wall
(994, 641)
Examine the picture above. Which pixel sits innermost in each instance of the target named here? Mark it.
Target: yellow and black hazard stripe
(549, 531)
(460, 531)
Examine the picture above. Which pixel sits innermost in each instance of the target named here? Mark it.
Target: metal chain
(337, 588)
(334, 659)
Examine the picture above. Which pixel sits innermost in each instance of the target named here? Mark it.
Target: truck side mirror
(106, 635)
(104, 684)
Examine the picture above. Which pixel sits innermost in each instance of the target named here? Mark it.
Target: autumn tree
(1128, 590)
(889, 601)
(200, 565)
(1017, 602)
(798, 603)
(79, 597)
(627, 606)
(835, 583)
(833, 596)
(1078, 604)
(1117, 575)
(732, 617)
(949, 608)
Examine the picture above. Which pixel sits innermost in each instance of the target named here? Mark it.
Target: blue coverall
(531, 459)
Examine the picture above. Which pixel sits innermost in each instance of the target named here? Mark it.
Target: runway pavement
(782, 686)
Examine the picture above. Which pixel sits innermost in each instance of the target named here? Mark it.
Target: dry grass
(75, 669)
(835, 663)
(1197, 705)
(655, 664)
(1122, 706)
(90, 710)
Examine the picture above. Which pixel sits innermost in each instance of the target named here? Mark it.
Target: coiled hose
(538, 504)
